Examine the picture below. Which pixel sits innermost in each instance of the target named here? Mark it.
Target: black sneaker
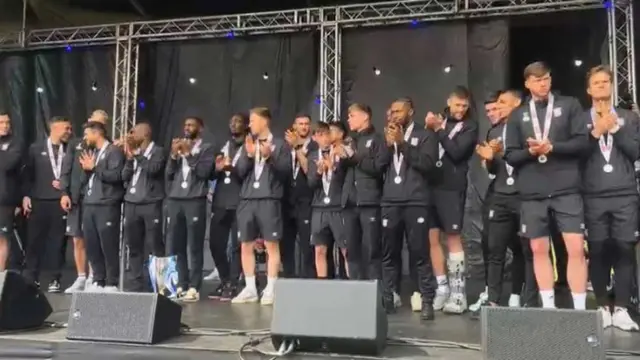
(54, 286)
(229, 292)
(217, 293)
(427, 312)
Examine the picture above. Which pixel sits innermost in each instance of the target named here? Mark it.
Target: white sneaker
(246, 296)
(192, 295)
(267, 297)
(589, 287)
(482, 299)
(94, 287)
(78, 285)
(622, 320)
(606, 316)
(514, 301)
(416, 302)
(397, 301)
(213, 276)
(110, 289)
(442, 295)
(456, 304)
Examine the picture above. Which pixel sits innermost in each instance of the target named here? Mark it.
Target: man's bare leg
(248, 259)
(438, 264)
(4, 252)
(322, 269)
(457, 301)
(543, 270)
(273, 268)
(576, 269)
(80, 259)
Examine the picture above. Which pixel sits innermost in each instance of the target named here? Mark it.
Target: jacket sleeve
(66, 171)
(492, 166)
(202, 164)
(244, 165)
(516, 151)
(312, 175)
(281, 162)
(376, 160)
(110, 170)
(627, 138)
(578, 142)
(171, 169)
(127, 170)
(11, 159)
(29, 172)
(423, 156)
(154, 166)
(460, 148)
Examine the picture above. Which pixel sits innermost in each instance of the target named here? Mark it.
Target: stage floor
(207, 316)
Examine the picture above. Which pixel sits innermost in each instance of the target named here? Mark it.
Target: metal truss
(125, 84)
(62, 37)
(621, 50)
(330, 72)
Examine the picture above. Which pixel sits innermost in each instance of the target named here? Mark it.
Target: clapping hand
(485, 151)
(87, 161)
(250, 146)
(265, 149)
(291, 137)
(433, 121)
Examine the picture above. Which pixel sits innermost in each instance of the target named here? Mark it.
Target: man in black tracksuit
(367, 160)
(188, 171)
(144, 175)
(611, 197)
(545, 140)
(104, 191)
(41, 203)
(405, 201)
(224, 228)
(11, 153)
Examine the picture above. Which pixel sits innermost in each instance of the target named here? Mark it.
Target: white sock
(250, 283)
(82, 276)
(486, 290)
(442, 281)
(548, 299)
(458, 256)
(579, 301)
(271, 283)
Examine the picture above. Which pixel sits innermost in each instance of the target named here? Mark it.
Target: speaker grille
(541, 334)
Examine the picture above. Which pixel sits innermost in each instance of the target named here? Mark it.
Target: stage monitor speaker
(333, 316)
(541, 334)
(22, 305)
(138, 318)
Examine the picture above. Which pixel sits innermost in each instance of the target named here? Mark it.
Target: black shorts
(447, 210)
(327, 227)
(613, 218)
(74, 221)
(259, 219)
(7, 220)
(567, 210)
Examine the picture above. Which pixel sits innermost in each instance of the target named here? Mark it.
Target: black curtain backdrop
(229, 78)
(72, 82)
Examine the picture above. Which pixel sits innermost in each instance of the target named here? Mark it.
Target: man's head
(322, 134)
(458, 102)
(537, 79)
(599, 81)
(100, 116)
(508, 101)
(94, 132)
(60, 128)
(192, 128)
(401, 111)
(302, 125)
(141, 133)
(238, 124)
(492, 109)
(359, 117)
(259, 119)
(5, 123)
(338, 132)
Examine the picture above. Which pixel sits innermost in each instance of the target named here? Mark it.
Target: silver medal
(256, 185)
(608, 168)
(184, 185)
(438, 163)
(227, 180)
(397, 179)
(542, 159)
(327, 200)
(132, 190)
(510, 181)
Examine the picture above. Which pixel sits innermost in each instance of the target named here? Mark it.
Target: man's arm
(578, 142)
(280, 162)
(110, 169)
(627, 137)
(66, 170)
(154, 166)
(29, 172)
(313, 178)
(516, 151)
(377, 160)
(127, 170)
(11, 159)
(422, 156)
(460, 148)
(203, 163)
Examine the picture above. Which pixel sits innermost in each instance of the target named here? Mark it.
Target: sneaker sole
(214, 297)
(266, 303)
(249, 301)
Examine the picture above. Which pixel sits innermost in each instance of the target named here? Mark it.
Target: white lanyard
(398, 157)
(186, 169)
(137, 170)
(327, 175)
(605, 142)
(258, 164)
(541, 134)
(456, 129)
(294, 159)
(98, 158)
(226, 150)
(56, 161)
(504, 142)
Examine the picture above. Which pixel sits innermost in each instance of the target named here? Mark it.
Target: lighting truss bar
(330, 77)
(61, 37)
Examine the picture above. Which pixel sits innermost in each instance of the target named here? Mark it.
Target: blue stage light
(414, 22)
(141, 104)
(231, 34)
(318, 100)
(608, 4)
(68, 48)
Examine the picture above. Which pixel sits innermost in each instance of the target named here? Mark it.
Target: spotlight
(39, 90)
(376, 71)
(94, 86)
(141, 104)
(447, 69)
(577, 63)
(318, 99)
(265, 76)
(231, 34)
(68, 48)
(414, 22)
(192, 80)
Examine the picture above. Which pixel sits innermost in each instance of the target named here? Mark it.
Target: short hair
(493, 97)
(320, 127)
(340, 126)
(361, 107)
(102, 113)
(4, 111)
(261, 111)
(405, 100)
(197, 119)
(242, 116)
(96, 126)
(460, 92)
(514, 92)
(58, 119)
(303, 115)
(599, 69)
(537, 69)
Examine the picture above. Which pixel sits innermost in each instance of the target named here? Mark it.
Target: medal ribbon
(186, 169)
(605, 141)
(294, 160)
(136, 170)
(543, 134)
(398, 157)
(258, 164)
(326, 176)
(226, 150)
(100, 156)
(56, 161)
(504, 142)
(456, 129)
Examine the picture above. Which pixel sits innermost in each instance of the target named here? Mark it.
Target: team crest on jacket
(557, 112)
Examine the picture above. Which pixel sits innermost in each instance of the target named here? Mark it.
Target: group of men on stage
(322, 185)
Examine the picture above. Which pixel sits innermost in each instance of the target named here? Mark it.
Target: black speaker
(540, 334)
(333, 316)
(138, 318)
(22, 304)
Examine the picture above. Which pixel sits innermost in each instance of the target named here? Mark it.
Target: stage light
(577, 63)
(318, 99)
(39, 90)
(94, 86)
(414, 22)
(265, 76)
(608, 4)
(447, 69)
(376, 71)
(68, 48)
(231, 34)
(192, 80)
(141, 104)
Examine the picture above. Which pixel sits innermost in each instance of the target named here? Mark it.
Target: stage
(449, 335)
